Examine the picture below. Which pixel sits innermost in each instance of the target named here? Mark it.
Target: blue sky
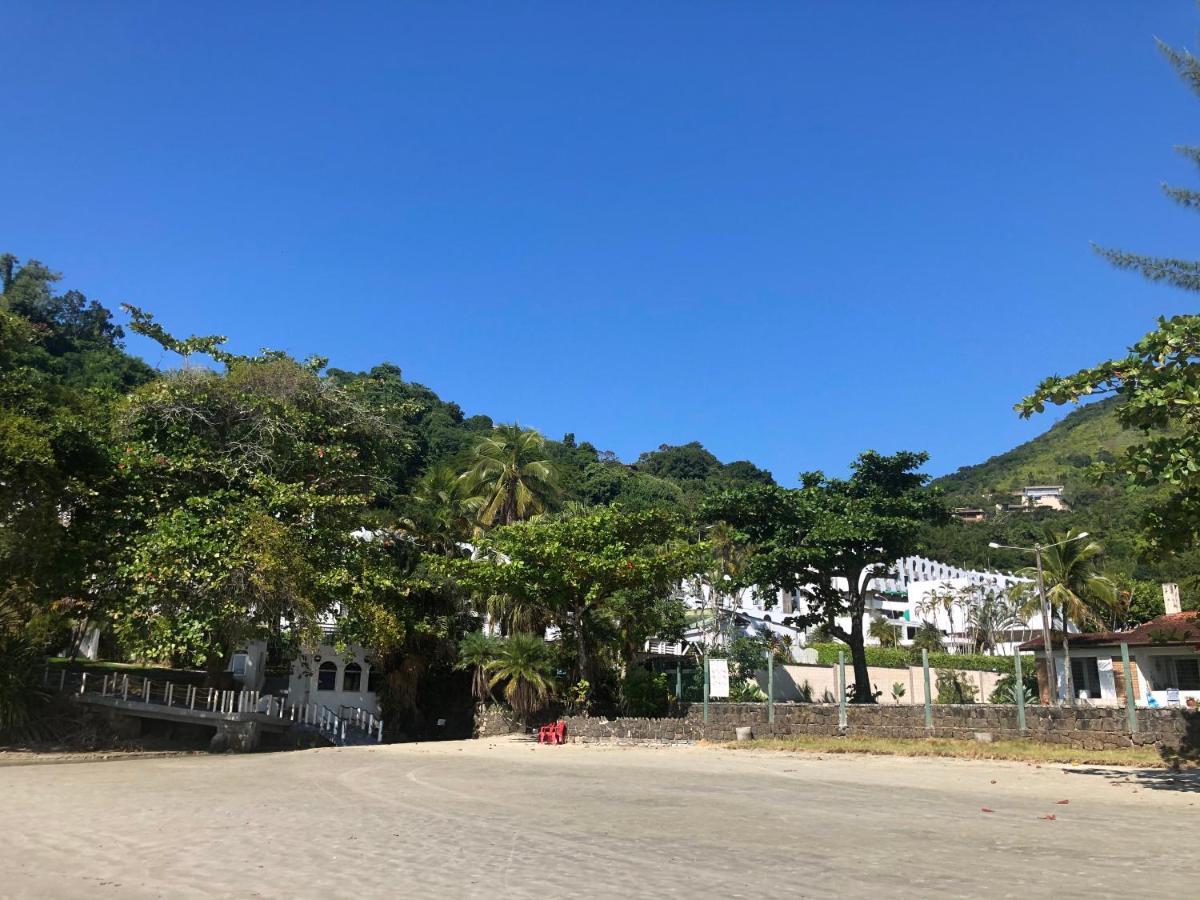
(790, 231)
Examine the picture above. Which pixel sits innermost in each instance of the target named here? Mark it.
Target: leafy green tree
(830, 536)
(525, 666)
(244, 487)
(610, 570)
(510, 476)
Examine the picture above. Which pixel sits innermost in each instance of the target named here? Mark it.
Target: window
(238, 665)
(374, 679)
(352, 677)
(1085, 675)
(327, 677)
(1187, 674)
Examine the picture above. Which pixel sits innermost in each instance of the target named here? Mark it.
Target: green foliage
(608, 572)
(899, 658)
(954, 688)
(832, 530)
(20, 690)
(510, 478)
(524, 665)
(477, 651)
(645, 694)
(1006, 688)
(928, 638)
(898, 691)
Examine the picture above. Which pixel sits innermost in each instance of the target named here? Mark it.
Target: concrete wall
(789, 681)
(1083, 728)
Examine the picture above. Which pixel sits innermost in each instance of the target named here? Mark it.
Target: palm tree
(523, 662)
(881, 629)
(990, 617)
(442, 515)
(946, 599)
(476, 652)
(510, 478)
(928, 637)
(1073, 585)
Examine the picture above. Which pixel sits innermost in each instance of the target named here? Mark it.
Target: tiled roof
(1176, 628)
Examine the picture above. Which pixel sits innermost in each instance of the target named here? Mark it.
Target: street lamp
(1036, 550)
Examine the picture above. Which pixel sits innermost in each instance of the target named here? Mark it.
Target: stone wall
(493, 720)
(1087, 728)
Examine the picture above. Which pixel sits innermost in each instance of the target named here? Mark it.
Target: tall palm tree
(1074, 585)
(510, 477)
(524, 663)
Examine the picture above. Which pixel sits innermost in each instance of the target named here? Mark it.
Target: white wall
(302, 684)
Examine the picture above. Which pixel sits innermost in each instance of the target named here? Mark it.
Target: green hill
(1060, 456)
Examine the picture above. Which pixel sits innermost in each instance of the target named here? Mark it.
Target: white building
(902, 596)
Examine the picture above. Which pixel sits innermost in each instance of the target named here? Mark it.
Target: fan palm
(510, 478)
(993, 615)
(523, 662)
(1073, 585)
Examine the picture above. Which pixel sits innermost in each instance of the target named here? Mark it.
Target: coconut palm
(442, 515)
(510, 478)
(523, 662)
(476, 652)
(1074, 587)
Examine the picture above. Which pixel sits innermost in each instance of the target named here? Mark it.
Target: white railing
(193, 698)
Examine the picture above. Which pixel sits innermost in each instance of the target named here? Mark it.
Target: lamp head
(993, 545)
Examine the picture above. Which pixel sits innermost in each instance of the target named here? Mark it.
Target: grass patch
(1018, 751)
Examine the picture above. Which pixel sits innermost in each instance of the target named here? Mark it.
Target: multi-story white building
(914, 590)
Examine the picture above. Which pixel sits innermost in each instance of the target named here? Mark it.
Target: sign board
(718, 678)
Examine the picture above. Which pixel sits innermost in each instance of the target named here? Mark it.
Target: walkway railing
(357, 726)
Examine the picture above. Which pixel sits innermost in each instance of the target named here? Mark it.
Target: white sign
(718, 678)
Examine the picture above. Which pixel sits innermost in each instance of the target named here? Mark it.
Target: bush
(645, 694)
(901, 658)
(953, 688)
(1005, 691)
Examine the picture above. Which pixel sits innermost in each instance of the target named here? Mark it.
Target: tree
(991, 615)
(510, 476)
(1156, 383)
(828, 538)
(244, 488)
(524, 665)
(476, 652)
(928, 637)
(1073, 585)
(948, 600)
(882, 631)
(610, 569)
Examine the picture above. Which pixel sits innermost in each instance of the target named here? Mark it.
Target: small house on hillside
(1164, 656)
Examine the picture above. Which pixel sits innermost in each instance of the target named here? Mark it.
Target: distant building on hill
(968, 513)
(1040, 496)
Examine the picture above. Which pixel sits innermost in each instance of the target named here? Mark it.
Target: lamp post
(1051, 669)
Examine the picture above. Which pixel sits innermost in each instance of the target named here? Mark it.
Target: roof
(1172, 629)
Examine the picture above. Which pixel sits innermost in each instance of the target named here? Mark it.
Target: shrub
(901, 658)
(953, 688)
(645, 694)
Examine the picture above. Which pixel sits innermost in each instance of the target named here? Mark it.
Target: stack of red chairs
(555, 733)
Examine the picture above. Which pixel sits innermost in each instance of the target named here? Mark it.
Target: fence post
(125, 688)
(770, 687)
(104, 686)
(62, 679)
(705, 688)
(83, 683)
(1130, 702)
(145, 690)
(1019, 690)
(678, 682)
(380, 738)
(928, 691)
(170, 693)
(841, 689)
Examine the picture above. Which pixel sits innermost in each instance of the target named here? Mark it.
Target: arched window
(352, 677)
(327, 677)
